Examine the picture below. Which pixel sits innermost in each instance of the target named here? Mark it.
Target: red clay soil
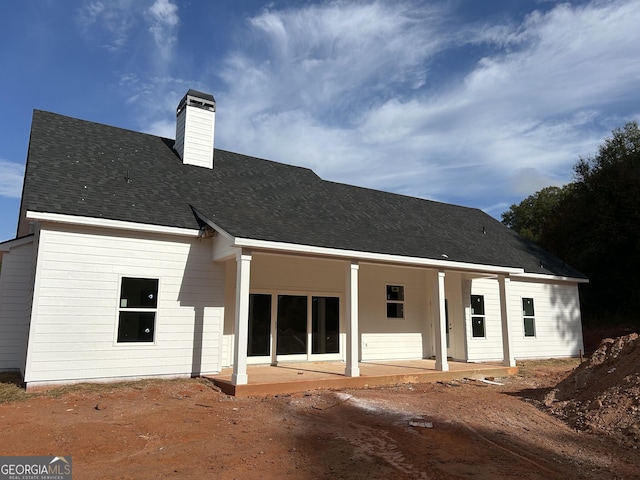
(185, 429)
(603, 394)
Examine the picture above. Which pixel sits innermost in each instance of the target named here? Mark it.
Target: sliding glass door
(299, 327)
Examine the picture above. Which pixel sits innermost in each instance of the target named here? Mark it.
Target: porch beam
(352, 369)
(508, 359)
(441, 326)
(243, 272)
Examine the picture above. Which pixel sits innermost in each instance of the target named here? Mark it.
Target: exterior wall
(283, 274)
(488, 348)
(229, 313)
(16, 290)
(558, 327)
(75, 307)
(557, 320)
(380, 338)
(383, 338)
(454, 296)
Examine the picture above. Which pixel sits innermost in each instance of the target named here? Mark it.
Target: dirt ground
(183, 429)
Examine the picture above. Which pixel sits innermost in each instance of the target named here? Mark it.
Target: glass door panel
(292, 325)
(259, 335)
(325, 325)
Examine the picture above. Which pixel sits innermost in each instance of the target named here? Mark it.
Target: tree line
(593, 224)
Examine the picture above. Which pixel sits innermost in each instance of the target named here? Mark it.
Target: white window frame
(397, 302)
(526, 317)
(120, 309)
(483, 316)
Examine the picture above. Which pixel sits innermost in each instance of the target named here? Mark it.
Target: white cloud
(109, 23)
(11, 175)
(117, 24)
(163, 16)
(348, 89)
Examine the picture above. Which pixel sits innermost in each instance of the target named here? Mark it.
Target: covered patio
(300, 377)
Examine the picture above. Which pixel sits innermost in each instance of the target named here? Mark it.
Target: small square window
(395, 310)
(136, 326)
(395, 292)
(139, 293)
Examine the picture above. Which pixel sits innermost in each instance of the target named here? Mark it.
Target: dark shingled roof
(83, 168)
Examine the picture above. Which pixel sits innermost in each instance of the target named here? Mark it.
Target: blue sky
(478, 103)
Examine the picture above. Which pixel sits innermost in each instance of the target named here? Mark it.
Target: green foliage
(594, 224)
(531, 217)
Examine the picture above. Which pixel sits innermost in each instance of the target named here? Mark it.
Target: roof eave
(108, 223)
(551, 276)
(372, 257)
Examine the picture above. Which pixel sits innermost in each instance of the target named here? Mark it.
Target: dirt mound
(603, 393)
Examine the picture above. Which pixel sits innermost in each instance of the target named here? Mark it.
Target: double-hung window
(528, 315)
(137, 309)
(477, 316)
(395, 301)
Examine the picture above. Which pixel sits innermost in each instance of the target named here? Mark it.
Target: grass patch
(11, 388)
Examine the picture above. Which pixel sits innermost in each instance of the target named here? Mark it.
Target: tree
(531, 217)
(594, 224)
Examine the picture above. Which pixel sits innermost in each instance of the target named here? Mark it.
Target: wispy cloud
(357, 91)
(11, 175)
(164, 20)
(349, 88)
(109, 22)
(116, 24)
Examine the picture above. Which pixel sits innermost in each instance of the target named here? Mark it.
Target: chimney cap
(197, 99)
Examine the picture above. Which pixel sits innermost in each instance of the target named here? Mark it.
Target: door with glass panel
(298, 328)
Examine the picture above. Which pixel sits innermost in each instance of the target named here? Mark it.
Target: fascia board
(16, 242)
(373, 257)
(555, 278)
(107, 223)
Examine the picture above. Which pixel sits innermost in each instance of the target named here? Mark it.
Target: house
(141, 256)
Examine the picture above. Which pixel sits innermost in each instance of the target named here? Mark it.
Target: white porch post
(352, 369)
(440, 322)
(508, 359)
(243, 271)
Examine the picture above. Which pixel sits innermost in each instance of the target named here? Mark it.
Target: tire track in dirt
(376, 442)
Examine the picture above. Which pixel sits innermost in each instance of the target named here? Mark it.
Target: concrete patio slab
(300, 377)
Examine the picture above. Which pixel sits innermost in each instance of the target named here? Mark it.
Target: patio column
(243, 271)
(504, 282)
(441, 326)
(352, 369)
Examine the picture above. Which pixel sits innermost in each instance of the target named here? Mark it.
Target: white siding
(292, 274)
(75, 315)
(284, 274)
(16, 282)
(557, 321)
(380, 338)
(383, 338)
(197, 143)
(558, 325)
(488, 348)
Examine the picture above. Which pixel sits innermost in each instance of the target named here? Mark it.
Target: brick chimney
(195, 124)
